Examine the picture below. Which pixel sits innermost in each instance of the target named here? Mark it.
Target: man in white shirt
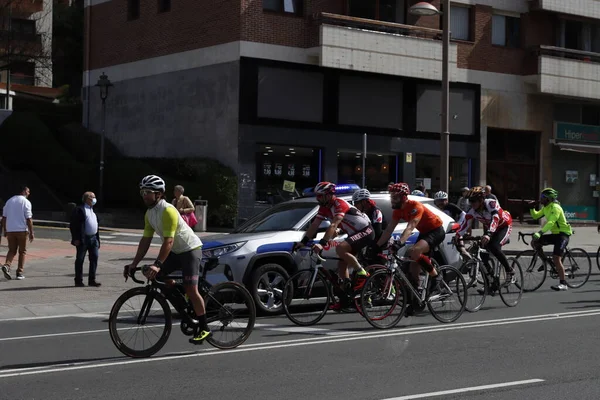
(85, 236)
(17, 225)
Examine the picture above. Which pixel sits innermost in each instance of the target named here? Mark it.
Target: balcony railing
(572, 54)
(378, 26)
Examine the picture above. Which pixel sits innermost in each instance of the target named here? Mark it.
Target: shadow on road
(584, 303)
(22, 289)
(60, 363)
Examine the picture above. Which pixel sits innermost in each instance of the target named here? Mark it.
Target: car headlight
(222, 250)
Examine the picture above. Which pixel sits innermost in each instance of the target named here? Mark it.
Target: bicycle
(486, 277)
(598, 253)
(535, 274)
(390, 287)
(315, 288)
(223, 301)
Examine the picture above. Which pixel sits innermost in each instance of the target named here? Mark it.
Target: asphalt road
(545, 348)
(115, 237)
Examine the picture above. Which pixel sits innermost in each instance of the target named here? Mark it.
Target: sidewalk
(48, 288)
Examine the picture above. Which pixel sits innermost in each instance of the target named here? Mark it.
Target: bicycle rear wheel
(477, 281)
(303, 303)
(511, 293)
(146, 311)
(535, 271)
(450, 303)
(383, 299)
(578, 267)
(230, 314)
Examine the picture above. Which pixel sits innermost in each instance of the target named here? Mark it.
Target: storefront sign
(278, 169)
(289, 186)
(574, 213)
(267, 169)
(408, 158)
(571, 176)
(291, 170)
(577, 133)
(306, 170)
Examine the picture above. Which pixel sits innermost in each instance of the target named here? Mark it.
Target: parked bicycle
(577, 263)
(230, 309)
(387, 292)
(486, 276)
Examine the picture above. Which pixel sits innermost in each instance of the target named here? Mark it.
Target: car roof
(380, 195)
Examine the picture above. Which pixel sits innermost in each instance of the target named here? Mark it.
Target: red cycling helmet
(399, 188)
(325, 188)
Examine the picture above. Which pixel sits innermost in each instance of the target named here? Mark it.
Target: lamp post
(104, 84)
(426, 9)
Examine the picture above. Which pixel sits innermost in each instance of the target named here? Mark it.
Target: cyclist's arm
(466, 225)
(412, 224)
(312, 229)
(331, 231)
(387, 234)
(377, 223)
(144, 244)
(170, 219)
(535, 214)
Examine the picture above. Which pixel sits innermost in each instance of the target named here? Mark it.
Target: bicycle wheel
(230, 314)
(578, 267)
(449, 304)
(598, 257)
(303, 303)
(535, 272)
(383, 297)
(477, 284)
(356, 305)
(511, 293)
(143, 310)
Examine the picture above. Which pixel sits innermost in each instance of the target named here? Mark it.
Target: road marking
(288, 344)
(467, 389)
(129, 243)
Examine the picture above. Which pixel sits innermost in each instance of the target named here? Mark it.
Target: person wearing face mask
(85, 236)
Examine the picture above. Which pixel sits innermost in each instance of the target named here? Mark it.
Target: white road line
(129, 243)
(468, 389)
(278, 345)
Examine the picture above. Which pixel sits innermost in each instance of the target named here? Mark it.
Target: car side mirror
(324, 225)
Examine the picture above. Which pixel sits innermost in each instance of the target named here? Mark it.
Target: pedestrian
(17, 225)
(489, 194)
(463, 201)
(184, 205)
(85, 236)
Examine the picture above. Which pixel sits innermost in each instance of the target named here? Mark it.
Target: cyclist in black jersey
(362, 201)
(441, 201)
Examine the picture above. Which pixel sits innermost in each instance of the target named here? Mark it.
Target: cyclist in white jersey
(181, 248)
(351, 221)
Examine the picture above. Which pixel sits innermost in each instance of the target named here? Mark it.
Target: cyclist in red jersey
(351, 221)
(431, 232)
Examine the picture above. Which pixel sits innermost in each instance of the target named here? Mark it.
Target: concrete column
(481, 178)
(407, 171)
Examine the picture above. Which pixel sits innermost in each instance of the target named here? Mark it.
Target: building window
(460, 23)
(578, 35)
(164, 5)
(427, 170)
(382, 10)
(23, 73)
(506, 31)
(380, 169)
(133, 9)
(284, 6)
(276, 164)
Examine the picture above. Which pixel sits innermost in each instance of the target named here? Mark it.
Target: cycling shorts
(361, 239)
(434, 237)
(188, 262)
(559, 240)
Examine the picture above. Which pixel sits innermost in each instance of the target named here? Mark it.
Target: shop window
(590, 115)
(276, 164)
(427, 172)
(380, 169)
(462, 109)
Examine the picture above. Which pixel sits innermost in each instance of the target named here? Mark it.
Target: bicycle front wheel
(535, 270)
(305, 302)
(140, 310)
(511, 292)
(578, 267)
(598, 258)
(477, 284)
(449, 304)
(383, 299)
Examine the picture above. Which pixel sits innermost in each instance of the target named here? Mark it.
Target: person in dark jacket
(85, 236)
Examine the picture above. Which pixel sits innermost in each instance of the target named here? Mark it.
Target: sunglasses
(146, 192)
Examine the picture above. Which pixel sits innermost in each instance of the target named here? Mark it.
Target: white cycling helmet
(441, 195)
(153, 182)
(361, 194)
(418, 193)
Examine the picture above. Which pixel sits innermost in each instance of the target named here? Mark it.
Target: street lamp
(426, 9)
(104, 84)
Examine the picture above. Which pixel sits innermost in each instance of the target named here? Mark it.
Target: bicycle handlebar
(143, 268)
(522, 237)
(471, 238)
(311, 252)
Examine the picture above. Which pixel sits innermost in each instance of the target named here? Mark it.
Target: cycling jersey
(353, 220)
(555, 219)
(412, 209)
(492, 217)
(164, 219)
(377, 220)
(455, 212)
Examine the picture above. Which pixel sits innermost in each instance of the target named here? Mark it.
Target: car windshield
(281, 217)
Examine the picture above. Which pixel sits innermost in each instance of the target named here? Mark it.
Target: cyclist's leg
(352, 245)
(190, 269)
(560, 244)
(494, 246)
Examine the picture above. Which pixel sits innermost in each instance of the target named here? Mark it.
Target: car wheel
(268, 281)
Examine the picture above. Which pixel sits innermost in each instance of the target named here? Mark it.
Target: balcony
(25, 7)
(360, 44)
(582, 8)
(567, 72)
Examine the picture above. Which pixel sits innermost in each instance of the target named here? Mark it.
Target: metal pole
(445, 134)
(364, 160)
(101, 186)
(8, 51)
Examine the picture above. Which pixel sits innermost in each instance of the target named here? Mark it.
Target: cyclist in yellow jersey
(556, 222)
(180, 248)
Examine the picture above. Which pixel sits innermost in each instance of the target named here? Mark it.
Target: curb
(58, 310)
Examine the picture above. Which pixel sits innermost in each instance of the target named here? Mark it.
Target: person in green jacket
(556, 222)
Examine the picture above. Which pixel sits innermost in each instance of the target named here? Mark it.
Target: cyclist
(352, 222)
(418, 193)
(180, 248)
(431, 232)
(440, 199)
(497, 225)
(556, 222)
(363, 202)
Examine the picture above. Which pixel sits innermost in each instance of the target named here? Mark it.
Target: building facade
(283, 92)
